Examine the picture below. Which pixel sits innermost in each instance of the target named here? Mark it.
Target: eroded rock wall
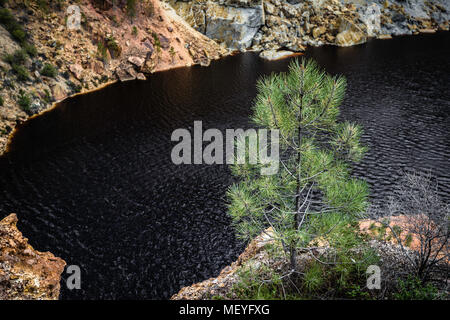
(294, 24)
(25, 273)
(109, 45)
(231, 22)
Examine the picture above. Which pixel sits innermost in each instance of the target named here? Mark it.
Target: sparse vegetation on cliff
(16, 30)
(131, 8)
(24, 101)
(85, 58)
(49, 70)
(18, 57)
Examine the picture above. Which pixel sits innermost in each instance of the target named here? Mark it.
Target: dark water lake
(92, 180)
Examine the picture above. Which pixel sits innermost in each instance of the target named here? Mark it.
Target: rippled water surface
(92, 180)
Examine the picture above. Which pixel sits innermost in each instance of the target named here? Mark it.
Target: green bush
(6, 18)
(314, 277)
(47, 96)
(113, 47)
(414, 289)
(12, 25)
(9, 58)
(101, 51)
(1, 101)
(131, 8)
(75, 88)
(24, 101)
(21, 71)
(134, 31)
(19, 35)
(251, 287)
(43, 6)
(19, 57)
(30, 49)
(115, 21)
(49, 70)
(156, 41)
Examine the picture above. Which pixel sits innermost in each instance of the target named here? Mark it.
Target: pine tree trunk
(298, 198)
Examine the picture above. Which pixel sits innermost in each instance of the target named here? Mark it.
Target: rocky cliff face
(233, 23)
(294, 24)
(24, 272)
(111, 44)
(115, 42)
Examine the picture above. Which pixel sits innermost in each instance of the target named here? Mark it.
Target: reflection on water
(92, 180)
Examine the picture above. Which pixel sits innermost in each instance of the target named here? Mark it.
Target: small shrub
(356, 291)
(131, 8)
(21, 71)
(1, 101)
(9, 58)
(10, 23)
(6, 18)
(66, 75)
(84, 20)
(75, 88)
(172, 54)
(113, 47)
(251, 287)
(58, 4)
(314, 277)
(30, 49)
(101, 51)
(43, 6)
(19, 34)
(408, 240)
(47, 96)
(19, 57)
(49, 70)
(104, 79)
(149, 9)
(413, 289)
(134, 32)
(427, 219)
(115, 21)
(156, 41)
(24, 101)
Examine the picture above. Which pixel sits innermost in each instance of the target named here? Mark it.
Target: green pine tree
(313, 194)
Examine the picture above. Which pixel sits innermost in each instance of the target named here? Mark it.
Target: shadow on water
(92, 180)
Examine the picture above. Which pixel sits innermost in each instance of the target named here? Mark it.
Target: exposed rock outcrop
(276, 55)
(228, 276)
(293, 25)
(110, 45)
(233, 23)
(24, 272)
(256, 257)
